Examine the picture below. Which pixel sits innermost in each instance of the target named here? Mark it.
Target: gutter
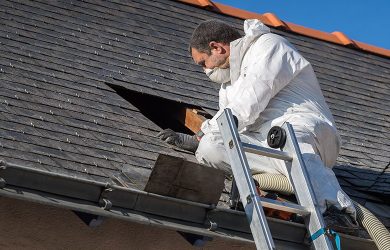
(137, 206)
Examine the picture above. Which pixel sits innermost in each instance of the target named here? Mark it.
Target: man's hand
(184, 141)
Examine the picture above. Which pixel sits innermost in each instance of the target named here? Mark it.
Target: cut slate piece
(132, 177)
(176, 177)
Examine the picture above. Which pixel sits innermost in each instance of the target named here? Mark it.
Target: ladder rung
(284, 206)
(269, 152)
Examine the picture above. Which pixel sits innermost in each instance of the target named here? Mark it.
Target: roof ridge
(272, 20)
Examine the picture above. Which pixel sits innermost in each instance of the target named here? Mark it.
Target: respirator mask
(218, 75)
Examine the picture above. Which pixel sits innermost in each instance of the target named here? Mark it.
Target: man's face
(219, 56)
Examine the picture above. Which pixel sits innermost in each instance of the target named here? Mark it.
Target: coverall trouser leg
(211, 152)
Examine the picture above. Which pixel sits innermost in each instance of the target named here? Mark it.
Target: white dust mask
(218, 75)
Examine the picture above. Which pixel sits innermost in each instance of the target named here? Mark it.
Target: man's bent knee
(211, 152)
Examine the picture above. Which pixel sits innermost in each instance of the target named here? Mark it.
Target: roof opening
(163, 112)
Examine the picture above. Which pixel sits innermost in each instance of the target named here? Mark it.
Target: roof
(62, 63)
(59, 114)
(272, 20)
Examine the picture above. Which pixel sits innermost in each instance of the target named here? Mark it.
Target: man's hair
(212, 30)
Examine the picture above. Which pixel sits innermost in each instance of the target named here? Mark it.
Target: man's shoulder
(269, 41)
(270, 38)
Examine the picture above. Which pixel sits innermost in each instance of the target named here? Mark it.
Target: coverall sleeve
(273, 62)
(210, 125)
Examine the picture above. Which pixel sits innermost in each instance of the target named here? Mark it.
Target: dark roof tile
(57, 60)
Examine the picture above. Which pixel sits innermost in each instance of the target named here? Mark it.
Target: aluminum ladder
(250, 199)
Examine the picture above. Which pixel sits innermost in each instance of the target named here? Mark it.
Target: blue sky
(364, 21)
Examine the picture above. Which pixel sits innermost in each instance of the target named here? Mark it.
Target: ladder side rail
(303, 188)
(244, 181)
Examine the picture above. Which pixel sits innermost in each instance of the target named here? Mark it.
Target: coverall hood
(253, 29)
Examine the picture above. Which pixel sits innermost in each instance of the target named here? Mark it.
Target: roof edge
(103, 199)
(272, 20)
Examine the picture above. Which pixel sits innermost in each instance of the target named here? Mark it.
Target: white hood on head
(253, 27)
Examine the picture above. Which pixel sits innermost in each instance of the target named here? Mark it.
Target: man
(265, 82)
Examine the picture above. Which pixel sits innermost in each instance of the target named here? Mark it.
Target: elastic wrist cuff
(199, 135)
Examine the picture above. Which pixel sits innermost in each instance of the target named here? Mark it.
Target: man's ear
(217, 46)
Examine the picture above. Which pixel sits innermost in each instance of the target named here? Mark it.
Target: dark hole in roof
(163, 112)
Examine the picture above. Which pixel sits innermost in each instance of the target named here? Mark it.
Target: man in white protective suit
(265, 82)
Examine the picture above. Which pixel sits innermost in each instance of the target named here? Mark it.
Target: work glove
(184, 141)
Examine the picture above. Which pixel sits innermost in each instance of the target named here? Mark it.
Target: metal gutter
(146, 208)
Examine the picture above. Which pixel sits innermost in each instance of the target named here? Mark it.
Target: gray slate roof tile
(59, 114)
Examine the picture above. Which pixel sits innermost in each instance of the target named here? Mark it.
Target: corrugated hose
(377, 231)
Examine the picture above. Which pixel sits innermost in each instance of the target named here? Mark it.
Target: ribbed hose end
(274, 182)
(377, 231)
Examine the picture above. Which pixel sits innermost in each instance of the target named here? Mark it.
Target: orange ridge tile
(272, 20)
(205, 3)
(344, 39)
(276, 22)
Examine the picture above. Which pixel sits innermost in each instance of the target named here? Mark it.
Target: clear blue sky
(364, 21)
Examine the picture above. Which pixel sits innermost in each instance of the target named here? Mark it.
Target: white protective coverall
(271, 83)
